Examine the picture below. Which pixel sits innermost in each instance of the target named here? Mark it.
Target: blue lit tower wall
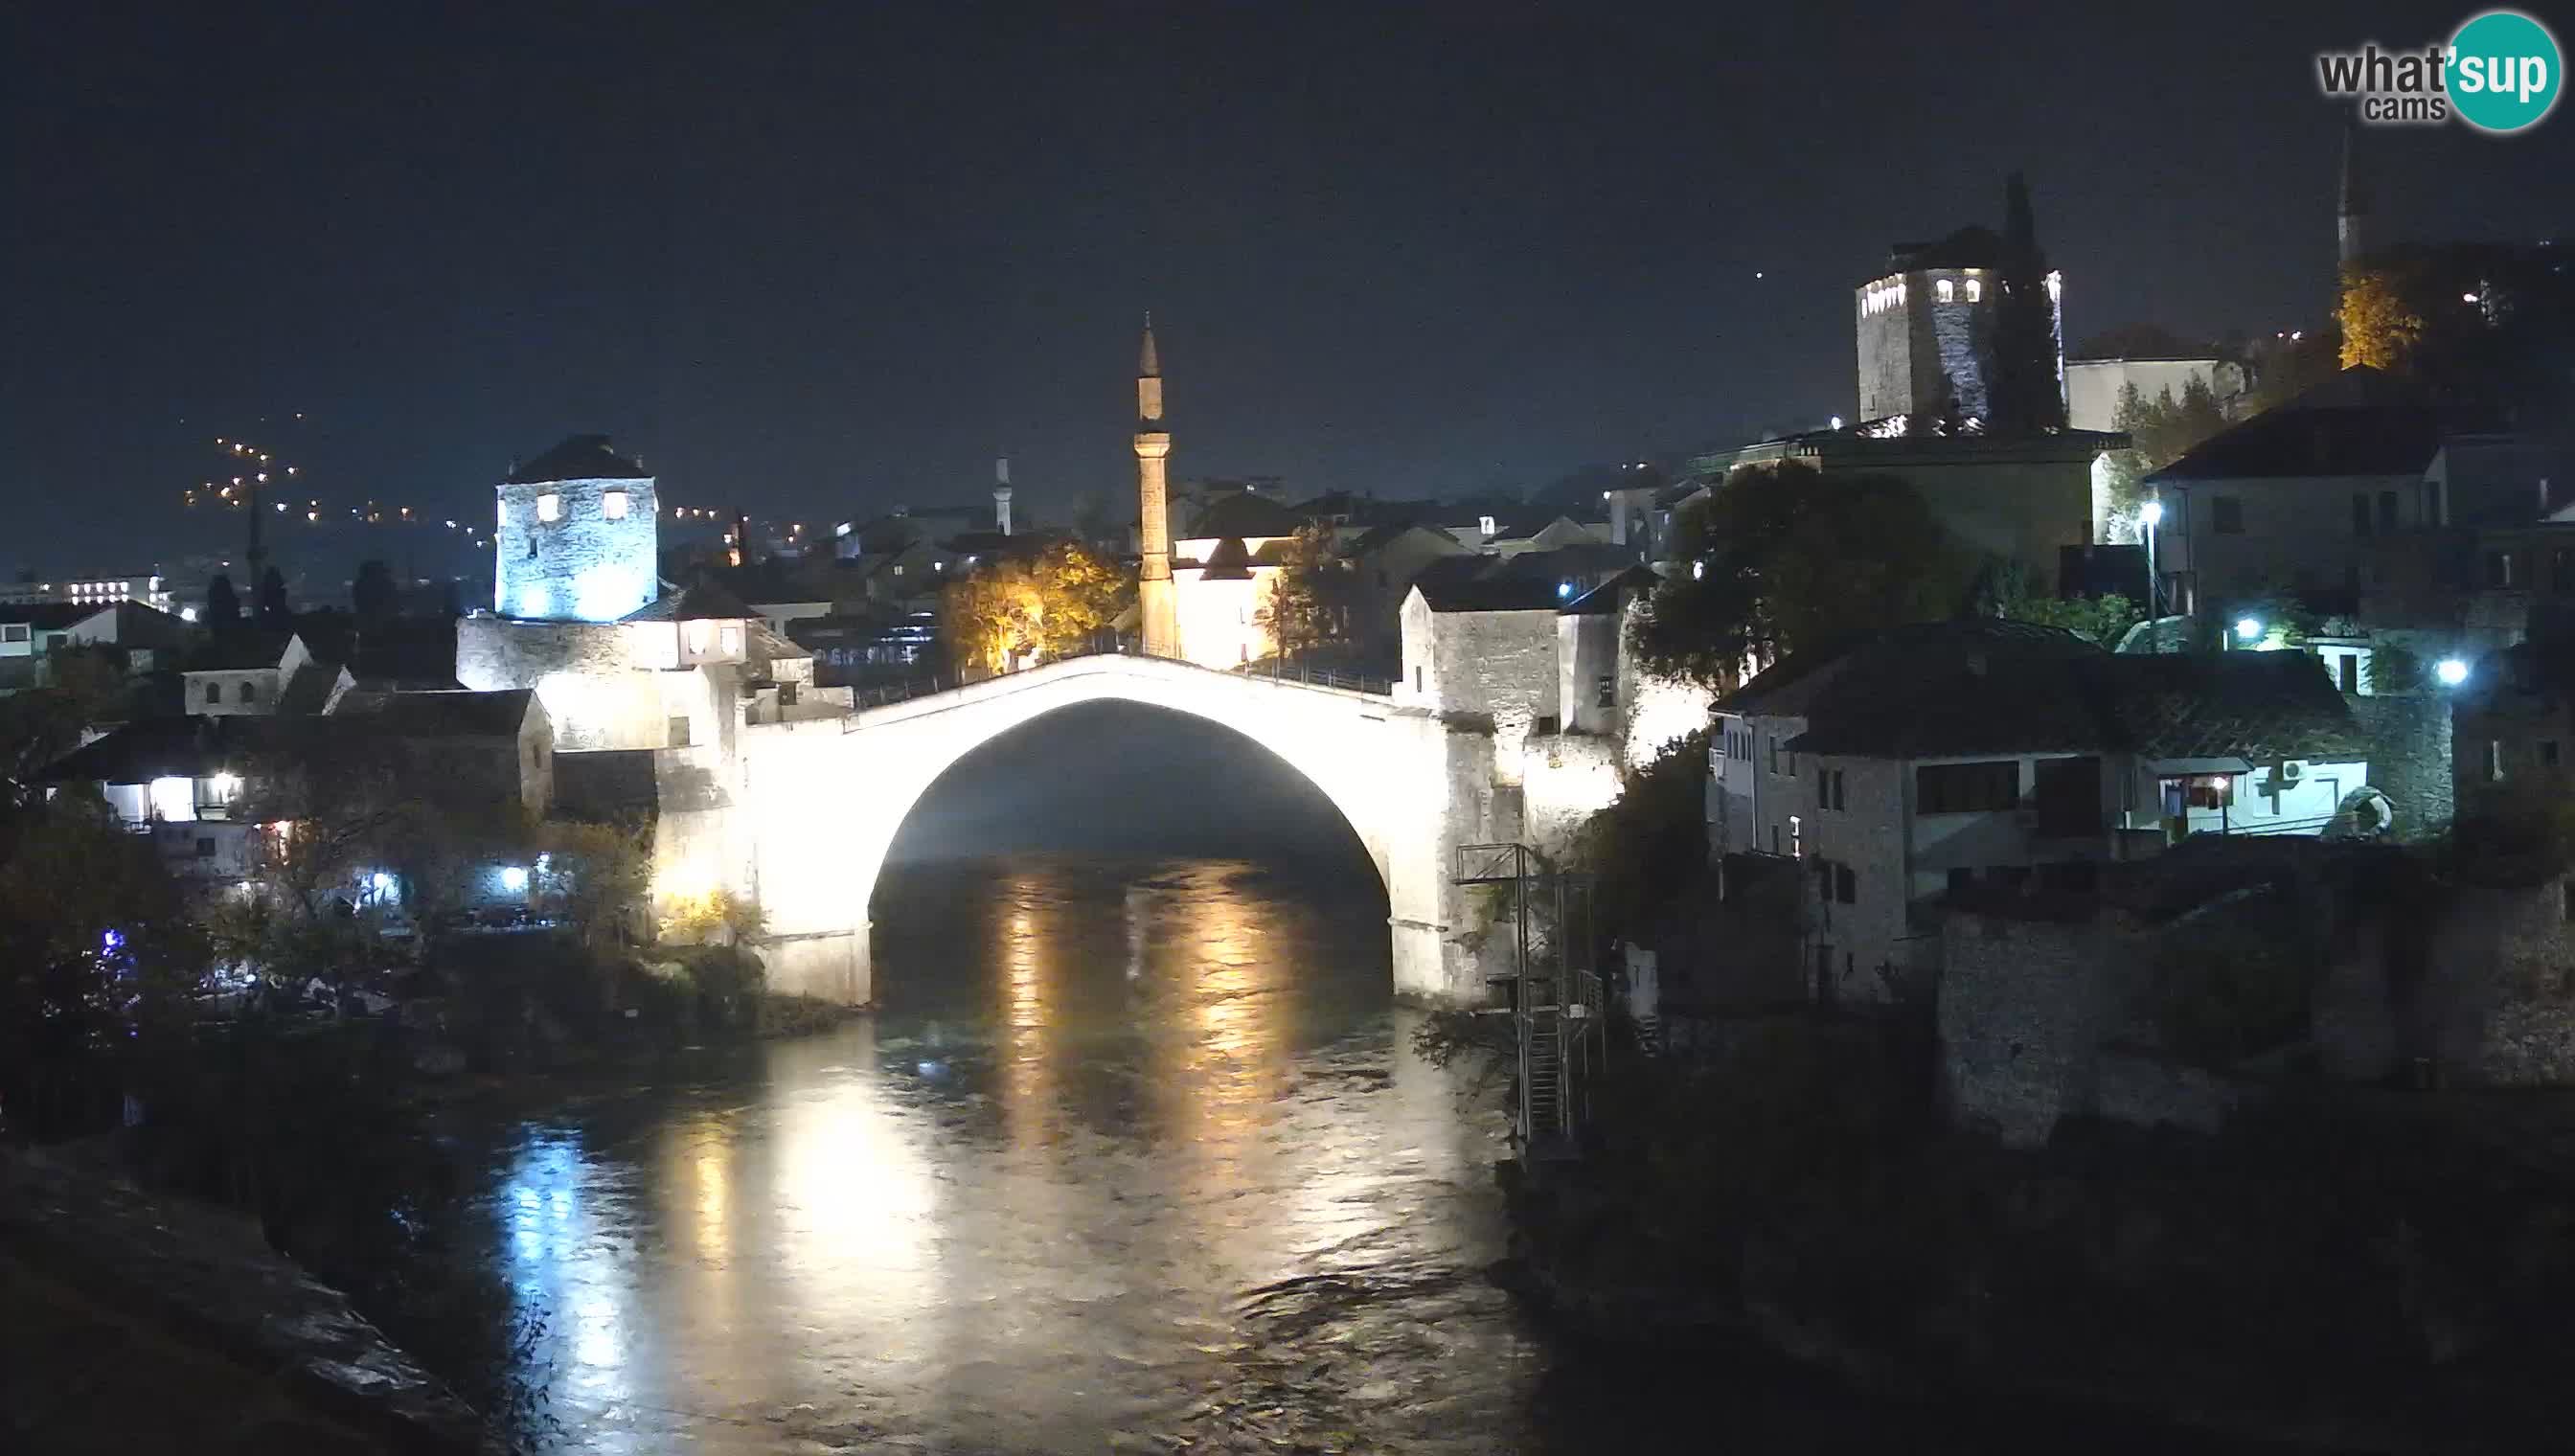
(577, 550)
(1921, 326)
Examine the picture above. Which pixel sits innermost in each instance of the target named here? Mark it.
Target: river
(1133, 1156)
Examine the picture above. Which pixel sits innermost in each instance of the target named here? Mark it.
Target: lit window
(613, 504)
(504, 513)
(697, 636)
(1947, 290)
(732, 640)
(1975, 290)
(549, 507)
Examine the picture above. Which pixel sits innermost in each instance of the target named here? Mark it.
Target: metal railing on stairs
(1554, 996)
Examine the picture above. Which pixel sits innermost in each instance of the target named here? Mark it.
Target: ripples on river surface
(1134, 1156)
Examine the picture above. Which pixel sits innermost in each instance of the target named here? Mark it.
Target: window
(612, 503)
(1949, 789)
(1975, 290)
(1607, 691)
(214, 692)
(732, 639)
(205, 848)
(2360, 518)
(2498, 568)
(2546, 748)
(2226, 515)
(2067, 796)
(1829, 787)
(2561, 571)
(549, 507)
(1845, 884)
(1796, 837)
(2387, 510)
(2433, 515)
(2347, 669)
(1774, 744)
(1947, 290)
(1417, 680)
(1963, 880)
(249, 692)
(678, 732)
(13, 630)
(2198, 790)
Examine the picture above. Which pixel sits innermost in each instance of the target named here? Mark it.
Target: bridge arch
(823, 800)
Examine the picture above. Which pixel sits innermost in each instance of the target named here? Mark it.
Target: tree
(1781, 558)
(1307, 606)
(1651, 841)
(273, 611)
(1013, 612)
(2380, 325)
(325, 813)
(2026, 397)
(2159, 433)
(594, 876)
(371, 594)
(84, 685)
(97, 956)
(223, 606)
(2103, 619)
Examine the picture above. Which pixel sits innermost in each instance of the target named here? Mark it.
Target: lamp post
(2152, 514)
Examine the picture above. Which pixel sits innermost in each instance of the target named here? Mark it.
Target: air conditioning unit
(2290, 771)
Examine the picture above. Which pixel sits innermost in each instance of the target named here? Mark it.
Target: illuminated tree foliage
(1016, 612)
(2380, 324)
(1308, 607)
(1781, 558)
(2160, 432)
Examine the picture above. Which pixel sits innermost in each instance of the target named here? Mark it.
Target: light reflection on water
(1020, 1209)
(1135, 1153)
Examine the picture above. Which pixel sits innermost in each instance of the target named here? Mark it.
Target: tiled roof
(577, 458)
(2359, 423)
(239, 648)
(458, 715)
(1467, 584)
(690, 604)
(2263, 706)
(1612, 596)
(1984, 686)
(1242, 513)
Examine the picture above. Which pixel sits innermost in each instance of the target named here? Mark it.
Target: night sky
(819, 259)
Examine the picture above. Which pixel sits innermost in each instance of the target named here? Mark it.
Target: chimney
(1002, 495)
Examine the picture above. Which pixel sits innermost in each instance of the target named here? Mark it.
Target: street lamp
(2451, 670)
(2248, 628)
(2152, 514)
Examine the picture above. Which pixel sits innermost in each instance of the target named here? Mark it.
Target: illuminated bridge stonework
(822, 800)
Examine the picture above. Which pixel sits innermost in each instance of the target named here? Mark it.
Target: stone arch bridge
(820, 800)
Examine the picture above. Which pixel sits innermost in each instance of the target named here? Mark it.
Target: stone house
(255, 672)
(2513, 719)
(1920, 761)
(2311, 495)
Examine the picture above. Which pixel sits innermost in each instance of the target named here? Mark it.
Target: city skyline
(824, 266)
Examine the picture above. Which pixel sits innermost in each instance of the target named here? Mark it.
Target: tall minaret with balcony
(1156, 607)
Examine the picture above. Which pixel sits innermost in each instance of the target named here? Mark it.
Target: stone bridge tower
(1156, 607)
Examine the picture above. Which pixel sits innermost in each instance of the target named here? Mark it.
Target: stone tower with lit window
(1925, 328)
(578, 538)
(1158, 609)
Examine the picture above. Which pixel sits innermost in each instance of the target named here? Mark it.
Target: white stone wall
(1482, 666)
(582, 566)
(1566, 779)
(1221, 619)
(1586, 650)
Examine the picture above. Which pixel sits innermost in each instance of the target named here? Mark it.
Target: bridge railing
(1276, 671)
(889, 693)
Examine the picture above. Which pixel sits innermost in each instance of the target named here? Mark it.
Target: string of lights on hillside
(253, 478)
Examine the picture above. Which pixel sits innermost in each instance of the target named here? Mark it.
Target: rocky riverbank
(2322, 1276)
(141, 1323)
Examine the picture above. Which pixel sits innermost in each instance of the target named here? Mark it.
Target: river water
(1133, 1156)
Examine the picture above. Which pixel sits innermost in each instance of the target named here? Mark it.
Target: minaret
(1156, 605)
(1002, 495)
(2351, 213)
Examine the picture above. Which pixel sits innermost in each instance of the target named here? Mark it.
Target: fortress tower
(578, 537)
(1156, 607)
